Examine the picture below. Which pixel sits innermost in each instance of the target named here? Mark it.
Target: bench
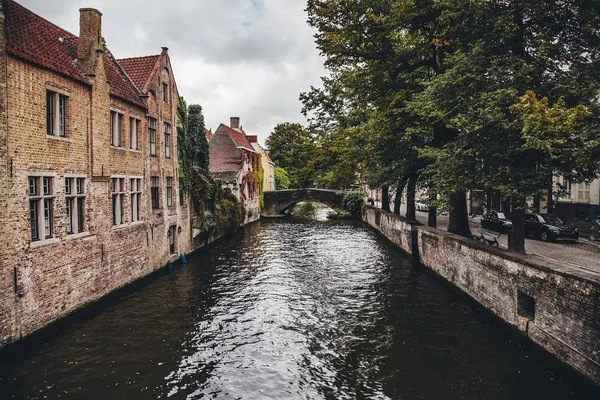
(487, 236)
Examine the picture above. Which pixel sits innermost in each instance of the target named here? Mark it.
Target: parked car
(496, 221)
(548, 227)
(420, 205)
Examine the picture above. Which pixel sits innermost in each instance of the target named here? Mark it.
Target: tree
(282, 181)
(192, 142)
(505, 138)
(292, 148)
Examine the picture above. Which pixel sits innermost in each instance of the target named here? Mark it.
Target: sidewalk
(584, 253)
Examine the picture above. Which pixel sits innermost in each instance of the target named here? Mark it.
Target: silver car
(420, 205)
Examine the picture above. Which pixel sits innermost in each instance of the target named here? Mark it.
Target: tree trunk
(488, 195)
(398, 199)
(458, 221)
(516, 238)
(550, 203)
(385, 198)
(410, 198)
(432, 214)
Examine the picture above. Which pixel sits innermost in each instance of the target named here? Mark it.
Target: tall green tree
(515, 58)
(192, 142)
(292, 148)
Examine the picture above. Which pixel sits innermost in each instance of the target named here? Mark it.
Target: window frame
(118, 193)
(134, 133)
(56, 113)
(116, 124)
(135, 191)
(169, 186)
(165, 90)
(167, 136)
(41, 197)
(152, 135)
(75, 203)
(155, 192)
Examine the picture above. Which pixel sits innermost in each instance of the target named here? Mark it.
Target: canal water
(300, 308)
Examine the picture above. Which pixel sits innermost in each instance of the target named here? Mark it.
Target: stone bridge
(278, 200)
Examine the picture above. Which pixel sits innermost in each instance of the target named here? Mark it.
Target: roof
(142, 70)
(238, 138)
(40, 42)
(208, 133)
(225, 176)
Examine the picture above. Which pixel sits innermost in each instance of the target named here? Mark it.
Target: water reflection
(287, 309)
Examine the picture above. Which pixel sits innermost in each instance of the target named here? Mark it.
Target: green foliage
(354, 201)
(282, 181)
(292, 148)
(192, 142)
(458, 94)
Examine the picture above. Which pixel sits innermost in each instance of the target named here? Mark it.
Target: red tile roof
(208, 133)
(38, 41)
(238, 138)
(141, 70)
(32, 38)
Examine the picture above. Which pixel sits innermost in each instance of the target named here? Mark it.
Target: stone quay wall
(554, 305)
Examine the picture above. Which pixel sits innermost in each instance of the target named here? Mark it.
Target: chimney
(90, 38)
(234, 122)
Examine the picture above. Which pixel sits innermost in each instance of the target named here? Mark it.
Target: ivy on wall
(216, 209)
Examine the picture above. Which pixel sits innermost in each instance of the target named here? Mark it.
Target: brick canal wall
(554, 305)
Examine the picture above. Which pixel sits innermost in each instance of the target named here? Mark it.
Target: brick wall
(556, 306)
(59, 274)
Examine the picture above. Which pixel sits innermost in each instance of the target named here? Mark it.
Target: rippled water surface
(288, 309)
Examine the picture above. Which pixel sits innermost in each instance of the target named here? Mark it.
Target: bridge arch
(278, 200)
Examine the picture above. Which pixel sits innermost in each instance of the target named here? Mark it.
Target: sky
(236, 58)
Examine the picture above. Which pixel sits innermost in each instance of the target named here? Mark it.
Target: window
(154, 191)
(41, 207)
(118, 195)
(165, 92)
(56, 114)
(169, 192)
(152, 135)
(115, 128)
(75, 202)
(134, 137)
(583, 191)
(136, 198)
(167, 140)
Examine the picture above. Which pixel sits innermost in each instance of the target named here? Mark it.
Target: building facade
(234, 161)
(82, 210)
(268, 165)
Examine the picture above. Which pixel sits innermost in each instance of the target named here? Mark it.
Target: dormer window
(56, 114)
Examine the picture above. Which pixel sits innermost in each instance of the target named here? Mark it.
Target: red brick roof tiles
(32, 38)
(238, 138)
(120, 85)
(40, 42)
(141, 70)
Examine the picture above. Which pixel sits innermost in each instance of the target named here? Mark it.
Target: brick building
(89, 182)
(267, 164)
(234, 161)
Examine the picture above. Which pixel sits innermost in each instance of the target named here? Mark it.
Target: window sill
(153, 155)
(74, 236)
(59, 138)
(117, 147)
(43, 243)
(135, 151)
(126, 225)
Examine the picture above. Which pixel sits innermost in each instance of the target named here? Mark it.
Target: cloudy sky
(244, 58)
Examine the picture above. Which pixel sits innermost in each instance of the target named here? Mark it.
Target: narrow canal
(287, 309)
